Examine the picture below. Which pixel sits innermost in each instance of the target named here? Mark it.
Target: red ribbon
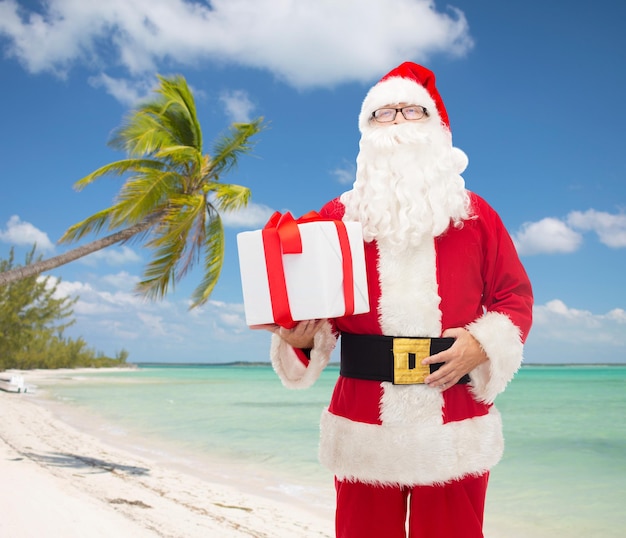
(282, 236)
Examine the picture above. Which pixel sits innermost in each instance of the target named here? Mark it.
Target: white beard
(408, 184)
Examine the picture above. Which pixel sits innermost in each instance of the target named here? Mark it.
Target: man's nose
(399, 117)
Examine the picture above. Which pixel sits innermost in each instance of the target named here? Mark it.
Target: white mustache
(392, 136)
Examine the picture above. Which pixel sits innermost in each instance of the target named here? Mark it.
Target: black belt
(391, 358)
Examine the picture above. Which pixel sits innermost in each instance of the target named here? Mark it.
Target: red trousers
(451, 510)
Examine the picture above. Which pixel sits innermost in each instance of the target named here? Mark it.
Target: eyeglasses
(410, 113)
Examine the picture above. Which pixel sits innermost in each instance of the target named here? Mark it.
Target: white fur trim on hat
(393, 91)
(461, 160)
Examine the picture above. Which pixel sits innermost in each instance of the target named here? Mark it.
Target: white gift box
(314, 278)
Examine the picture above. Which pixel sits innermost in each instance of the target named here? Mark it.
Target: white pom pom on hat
(460, 160)
(408, 83)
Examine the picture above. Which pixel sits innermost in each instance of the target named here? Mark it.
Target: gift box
(309, 268)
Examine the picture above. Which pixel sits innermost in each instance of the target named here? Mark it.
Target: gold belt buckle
(408, 354)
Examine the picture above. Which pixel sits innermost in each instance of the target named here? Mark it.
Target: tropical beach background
(533, 91)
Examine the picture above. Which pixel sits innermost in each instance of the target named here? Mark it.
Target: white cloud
(345, 174)
(111, 256)
(233, 320)
(121, 280)
(557, 308)
(251, 216)
(23, 233)
(69, 289)
(547, 236)
(97, 302)
(617, 314)
(110, 317)
(611, 229)
(154, 324)
(128, 92)
(564, 334)
(238, 106)
(551, 235)
(306, 44)
(93, 298)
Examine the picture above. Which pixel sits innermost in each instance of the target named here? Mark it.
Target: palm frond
(118, 168)
(194, 230)
(176, 90)
(180, 155)
(213, 259)
(171, 245)
(232, 145)
(170, 119)
(143, 133)
(195, 242)
(179, 125)
(229, 197)
(94, 224)
(143, 195)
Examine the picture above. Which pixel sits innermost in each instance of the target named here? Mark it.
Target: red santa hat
(408, 83)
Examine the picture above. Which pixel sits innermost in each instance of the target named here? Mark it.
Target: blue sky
(535, 93)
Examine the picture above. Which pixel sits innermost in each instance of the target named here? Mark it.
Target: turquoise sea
(563, 473)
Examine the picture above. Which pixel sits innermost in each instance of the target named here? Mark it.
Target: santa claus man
(411, 431)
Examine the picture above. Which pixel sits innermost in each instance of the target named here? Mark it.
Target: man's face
(396, 113)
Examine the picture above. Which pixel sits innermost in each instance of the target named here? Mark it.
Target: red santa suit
(416, 438)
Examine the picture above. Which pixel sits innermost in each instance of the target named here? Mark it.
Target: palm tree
(172, 197)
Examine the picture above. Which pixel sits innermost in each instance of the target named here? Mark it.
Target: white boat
(14, 383)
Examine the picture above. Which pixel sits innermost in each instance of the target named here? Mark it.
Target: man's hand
(300, 336)
(464, 355)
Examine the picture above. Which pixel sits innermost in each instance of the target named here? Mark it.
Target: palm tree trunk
(33, 269)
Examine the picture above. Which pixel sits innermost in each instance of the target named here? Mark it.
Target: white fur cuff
(290, 369)
(501, 340)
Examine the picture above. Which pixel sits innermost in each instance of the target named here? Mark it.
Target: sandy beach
(58, 481)
(64, 472)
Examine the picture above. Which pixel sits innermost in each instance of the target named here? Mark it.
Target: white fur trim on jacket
(501, 340)
(409, 299)
(397, 455)
(290, 370)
